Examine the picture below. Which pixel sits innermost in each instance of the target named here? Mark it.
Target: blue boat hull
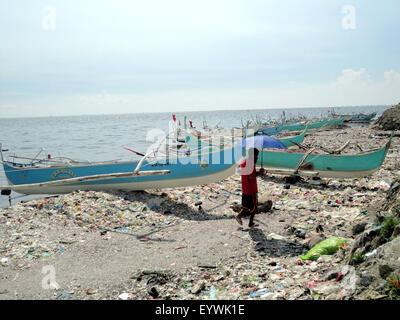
(204, 168)
(366, 117)
(270, 131)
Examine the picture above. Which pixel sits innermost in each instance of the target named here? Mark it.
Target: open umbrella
(262, 142)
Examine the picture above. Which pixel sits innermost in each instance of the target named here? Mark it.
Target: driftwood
(337, 151)
(301, 146)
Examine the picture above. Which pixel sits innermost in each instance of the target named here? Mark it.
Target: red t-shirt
(249, 181)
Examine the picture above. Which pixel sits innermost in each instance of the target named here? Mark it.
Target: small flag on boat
(174, 117)
(191, 125)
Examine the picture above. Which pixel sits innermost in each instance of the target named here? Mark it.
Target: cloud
(392, 76)
(351, 77)
(359, 88)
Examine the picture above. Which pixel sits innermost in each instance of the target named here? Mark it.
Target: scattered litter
(325, 247)
(40, 228)
(63, 294)
(125, 296)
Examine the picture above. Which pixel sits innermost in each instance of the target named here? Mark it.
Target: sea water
(102, 137)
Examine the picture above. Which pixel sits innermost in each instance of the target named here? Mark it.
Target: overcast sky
(61, 57)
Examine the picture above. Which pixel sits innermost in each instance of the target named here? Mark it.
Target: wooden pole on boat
(136, 171)
(41, 149)
(138, 153)
(302, 160)
(1, 152)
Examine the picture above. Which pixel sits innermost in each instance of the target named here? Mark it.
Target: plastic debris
(212, 293)
(275, 271)
(125, 296)
(63, 294)
(371, 254)
(4, 262)
(259, 293)
(325, 247)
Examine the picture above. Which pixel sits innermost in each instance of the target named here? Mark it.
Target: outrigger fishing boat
(310, 163)
(292, 141)
(193, 141)
(270, 131)
(360, 117)
(363, 117)
(156, 169)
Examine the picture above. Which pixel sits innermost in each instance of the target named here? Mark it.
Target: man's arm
(261, 172)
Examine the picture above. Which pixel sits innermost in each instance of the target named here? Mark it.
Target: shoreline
(181, 242)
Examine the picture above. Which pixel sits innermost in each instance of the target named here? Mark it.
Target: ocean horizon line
(197, 111)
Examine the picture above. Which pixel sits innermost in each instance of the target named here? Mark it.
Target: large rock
(385, 270)
(358, 228)
(393, 198)
(381, 253)
(361, 242)
(378, 268)
(390, 119)
(396, 232)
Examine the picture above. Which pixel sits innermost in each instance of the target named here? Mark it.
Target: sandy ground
(95, 265)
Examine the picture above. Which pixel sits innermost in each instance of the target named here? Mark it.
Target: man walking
(249, 187)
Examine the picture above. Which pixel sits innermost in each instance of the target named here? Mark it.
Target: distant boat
(292, 141)
(324, 165)
(270, 131)
(312, 125)
(363, 117)
(193, 142)
(360, 117)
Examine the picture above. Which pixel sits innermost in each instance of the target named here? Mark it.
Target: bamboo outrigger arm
(85, 179)
(303, 159)
(301, 146)
(342, 148)
(136, 171)
(337, 151)
(1, 153)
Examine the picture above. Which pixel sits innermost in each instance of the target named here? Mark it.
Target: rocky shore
(390, 119)
(185, 243)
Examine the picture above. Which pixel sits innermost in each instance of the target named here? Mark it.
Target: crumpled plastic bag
(325, 247)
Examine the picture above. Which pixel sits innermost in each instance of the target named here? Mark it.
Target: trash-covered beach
(184, 243)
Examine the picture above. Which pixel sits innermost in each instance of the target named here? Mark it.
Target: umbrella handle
(262, 154)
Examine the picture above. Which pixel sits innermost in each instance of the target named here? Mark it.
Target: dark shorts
(248, 201)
